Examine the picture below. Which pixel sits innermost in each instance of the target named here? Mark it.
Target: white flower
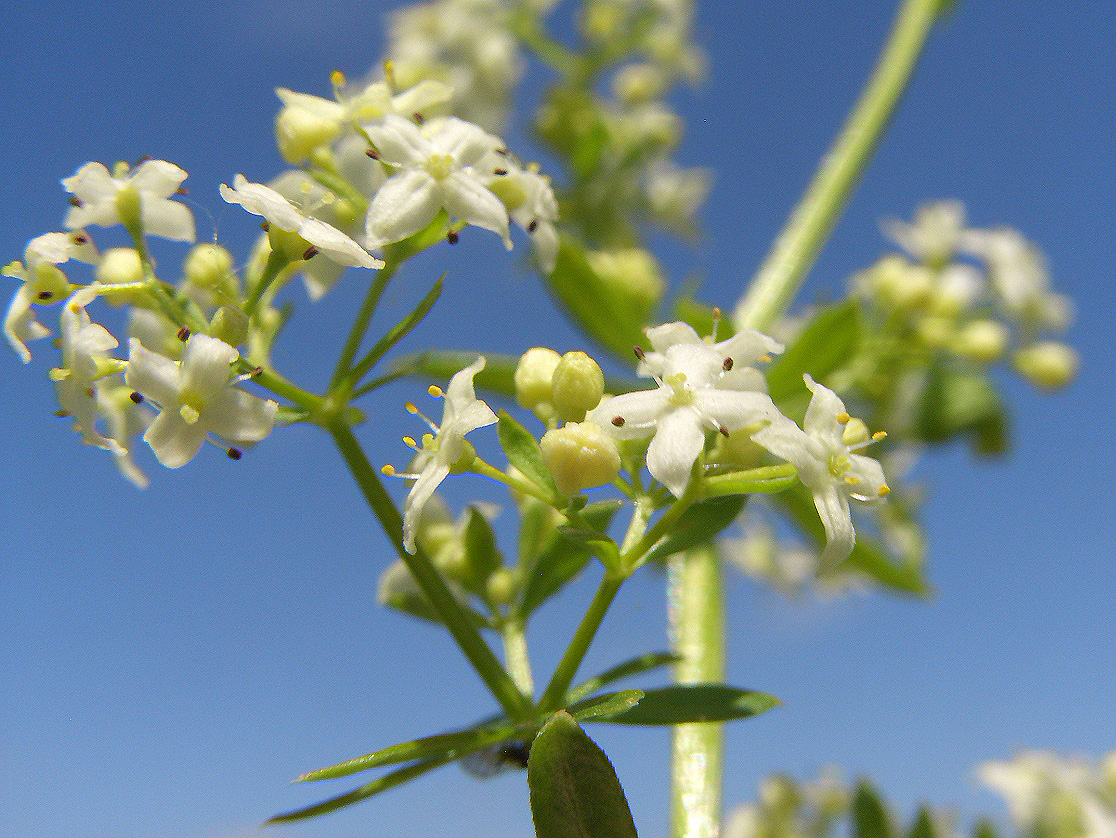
(434, 170)
(827, 467)
(140, 197)
(196, 398)
(530, 202)
(283, 215)
(43, 283)
(935, 235)
(446, 448)
(125, 420)
(1020, 279)
(700, 388)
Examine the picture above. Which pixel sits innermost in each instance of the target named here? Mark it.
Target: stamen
(850, 480)
(727, 365)
(638, 353)
(435, 392)
(45, 295)
(410, 443)
(375, 155)
(452, 237)
(181, 192)
(336, 80)
(410, 408)
(388, 471)
(74, 202)
(618, 421)
(533, 226)
(499, 172)
(843, 418)
(265, 226)
(883, 491)
(183, 334)
(310, 253)
(716, 323)
(878, 435)
(418, 118)
(137, 398)
(234, 454)
(723, 431)
(80, 239)
(61, 414)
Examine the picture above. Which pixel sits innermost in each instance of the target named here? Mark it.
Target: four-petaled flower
(822, 455)
(446, 448)
(701, 388)
(435, 169)
(196, 398)
(139, 198)
(283, 215)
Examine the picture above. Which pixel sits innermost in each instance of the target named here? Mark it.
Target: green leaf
(358, 795)
(699, 523)
(445, 745)
(923, 826)
(960, 401)
(627, 669)
(564, 557)
(904, 578)
(868, 815)
(496, 377)
(523, 452)
(609, 705)
(984, 829)
(481, 556)
(825, 345)
(690, 703)
(574, 789)
(389, 341)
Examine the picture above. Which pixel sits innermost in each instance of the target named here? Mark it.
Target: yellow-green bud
(500, 587)
(577, 386)
(632, 272)
(936, 332)
(207, 267)
(291, 245)
(130, 210)
(1047, 365)
(580, 456)
(120, 266)
(983, 341)
(533, 376)
(899, 284)
(855, 433)
(230, 325)
(637, 83)
(47, 286)
(298, 131)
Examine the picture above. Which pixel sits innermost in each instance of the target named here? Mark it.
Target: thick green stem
(811, 222)
(456, 620)
(696, 613)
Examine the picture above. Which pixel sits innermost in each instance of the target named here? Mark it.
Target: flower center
(439, 166)
(680, 394)
(837, 465)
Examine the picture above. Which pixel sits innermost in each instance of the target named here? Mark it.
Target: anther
(843, 418)
(499, 172)
(410, 443)
(141, 161)
(137, 398)
(452, 237)
(234, 454)
(727, 364)
(388, 471)
(255, 372)
(45, 295)
(502, 151)
(418, 118)
(80, 239)
(618, 421)
(638, 353)
(878, 435)
(435, 391)
(375, 155)
(723, 431)
(74, 202)
(310, 253)
(61, 414)
(533, 226)
(265, 226)
(883, 491)
(183, 334)
(410, 408)
(181, 191)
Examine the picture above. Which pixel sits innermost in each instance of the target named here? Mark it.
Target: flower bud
(982, 341)
(298, 131)
(230, 325)
(500, 587)
(580, 456)
(120, 266)
(1047, 365)
(533, 376)
(207, 267)
(129, 210)
(630, 272)
(577, 386)
(637, 83)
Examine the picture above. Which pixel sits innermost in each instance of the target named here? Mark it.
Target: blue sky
(171, 659)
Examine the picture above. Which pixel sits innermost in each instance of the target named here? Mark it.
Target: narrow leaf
(827, 343)
(388, 341)
(610, 705)
(692, 703)
(699, 524)
(958, 401)
(628, 669)
(574, 790)
(523, 452)
(481, 556)
(923, 826)
(868, 815)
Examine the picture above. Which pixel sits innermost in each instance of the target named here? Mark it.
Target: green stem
(360, 325)
(516, 660)
(811, 222)
(567, 669)
(456, 620)
(276, 261)
(696, 614)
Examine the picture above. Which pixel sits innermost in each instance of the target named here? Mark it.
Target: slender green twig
(360, 324)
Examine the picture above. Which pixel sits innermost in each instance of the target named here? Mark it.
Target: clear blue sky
(170, 659)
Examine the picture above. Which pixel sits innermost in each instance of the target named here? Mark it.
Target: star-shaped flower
(435, 169)
(822, 453)
(196, 398)
(130, 197)
(700, 389)
(530, 202)
(283, 215)
(446, 448)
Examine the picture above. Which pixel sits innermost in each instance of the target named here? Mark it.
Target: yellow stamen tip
(410, 443)
(878, 435)
(883, 491)
(410, 408)
(850, 480)
(336, 80)
(435, 391)
(388, 471)
(843, 418)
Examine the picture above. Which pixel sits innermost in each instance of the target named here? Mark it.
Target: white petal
(205, 366)
(678, 441)
(469, 200)
(460, 391)
(174, 442)
(640, 411)
(322, 108)
(431, 475)
(840, 537)
(263, 201)
(734, 410)
(167, 220)
(787, 441)
(465, 142)
(158, 178)
(667, 335)
(153, 375)
(336, 245)
(90, 183)
(404, 205)
(869, 477)
(238, 417)
(20, 324)
(545, 240)
(820, 420)
(399, 142)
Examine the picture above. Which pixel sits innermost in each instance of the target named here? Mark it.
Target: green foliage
(832, 337)
(629, 669)
(869, 818)
(523, 453)
(688, 703)
(699, 524)
(574, 790)
(958, 400)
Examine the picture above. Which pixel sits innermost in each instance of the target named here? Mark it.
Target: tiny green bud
(577, 386)
(291, 245)
(580, 456)
(1047, 365)
(533, 376)
(118, 266)
(208, 267)
(631, 272)
(500, 587)
(230, 325)
(637, 83)
(982, 341)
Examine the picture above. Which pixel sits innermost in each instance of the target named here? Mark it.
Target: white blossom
(282, 214)
(446, 448)
(1020, 279)
(105, 200)
(196, 398)
(701, 388)
(936, 234)
(827, 466)
(435, 169)
(529, 201)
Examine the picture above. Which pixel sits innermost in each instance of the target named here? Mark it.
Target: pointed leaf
(523, 452)
(826, 344)
(699, 524)
(923, 826)
(984, 829)
(481, 556)
(388, 341)
(574, 789)
(628, 669)
(609, 705)
(960, 401)
(868, 815)
(690, 703)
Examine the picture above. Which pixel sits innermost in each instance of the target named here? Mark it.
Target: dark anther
(141, 161)
(45, 295)
(618, 421)
(452, 237)
(502, 151)
(723, 431)
(183, 334)
(74, 202)
(256, 372)
(638, 353)
(265, 226)
(418, 118)
(533, 226)
(375, 155)
(499, 172)
(61, 414)
(137, 398)
(310, 252)
(181, 191)
(80, 239)
(727, 365)
(89, 393)
(234, 454)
